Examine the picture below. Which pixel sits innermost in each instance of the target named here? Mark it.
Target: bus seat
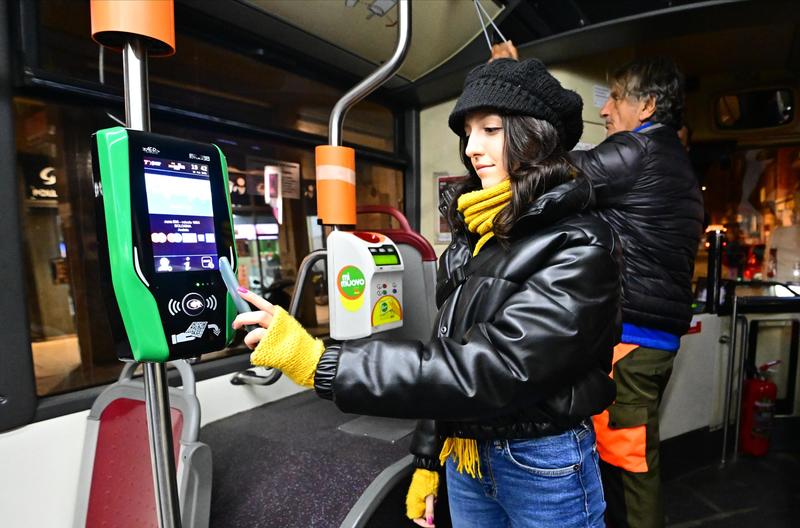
(419, 291)
(419, 275)
(116, 483)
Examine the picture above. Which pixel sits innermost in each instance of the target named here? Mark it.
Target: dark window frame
(19, 404)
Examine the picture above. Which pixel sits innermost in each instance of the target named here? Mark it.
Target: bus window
(754, 193)
(242, 87)
(272, 193)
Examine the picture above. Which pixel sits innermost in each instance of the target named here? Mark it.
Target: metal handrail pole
(302, 273)
(729, 383)
(159, 417)
(740, 385)
(159, 427)
(376, 78)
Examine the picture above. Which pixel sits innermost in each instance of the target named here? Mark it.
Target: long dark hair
(536, 163)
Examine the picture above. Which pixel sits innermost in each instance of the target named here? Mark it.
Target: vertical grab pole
(159, 428)
(729, 383)
(739, 386)
(714, 282)
(335, 164)
(159, 419)
(141, 29)
(137, 93)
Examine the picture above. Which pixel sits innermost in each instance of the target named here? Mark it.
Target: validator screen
(181, 215)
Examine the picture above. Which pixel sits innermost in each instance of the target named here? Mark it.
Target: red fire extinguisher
(758, 409)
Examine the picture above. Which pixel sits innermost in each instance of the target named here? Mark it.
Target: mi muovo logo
(351, 282)
(351, 285)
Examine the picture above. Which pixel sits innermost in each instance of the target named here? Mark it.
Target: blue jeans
(553, 481)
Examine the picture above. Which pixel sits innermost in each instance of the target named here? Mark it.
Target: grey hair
(656, 77)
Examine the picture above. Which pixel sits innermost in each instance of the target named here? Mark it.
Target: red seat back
(122, 492)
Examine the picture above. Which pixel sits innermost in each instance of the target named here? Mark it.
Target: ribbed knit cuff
(326, 372)
(429, 463)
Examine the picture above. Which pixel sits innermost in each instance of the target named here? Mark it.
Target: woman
(528, 300)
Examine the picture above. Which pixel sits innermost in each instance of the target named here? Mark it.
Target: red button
(372, 238)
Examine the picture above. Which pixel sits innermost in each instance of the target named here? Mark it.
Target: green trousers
(634, 498)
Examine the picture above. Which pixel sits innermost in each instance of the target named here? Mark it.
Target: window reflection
(209, 78)
(70, 332)
(754, 194)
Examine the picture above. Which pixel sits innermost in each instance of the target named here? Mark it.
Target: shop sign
(41, 180)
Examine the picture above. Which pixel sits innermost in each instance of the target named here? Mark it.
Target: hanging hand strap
(478, 8)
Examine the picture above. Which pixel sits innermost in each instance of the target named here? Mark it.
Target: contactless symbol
(211, 303)
(174, 307)
(193, 303)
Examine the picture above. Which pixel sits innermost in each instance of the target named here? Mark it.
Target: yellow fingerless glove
(423, 483)
(289, 348)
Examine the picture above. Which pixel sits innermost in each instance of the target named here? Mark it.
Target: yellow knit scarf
(479, 209)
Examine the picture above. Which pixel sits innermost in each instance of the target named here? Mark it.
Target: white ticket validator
(365, 285)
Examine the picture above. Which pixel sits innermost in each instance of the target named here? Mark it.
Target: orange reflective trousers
(617, 444)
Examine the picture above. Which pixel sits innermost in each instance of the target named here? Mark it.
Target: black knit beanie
(521, 88)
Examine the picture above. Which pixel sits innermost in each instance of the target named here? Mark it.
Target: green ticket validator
(164, 220)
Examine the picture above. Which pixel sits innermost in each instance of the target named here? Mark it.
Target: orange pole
(115, 21)
(336, 185)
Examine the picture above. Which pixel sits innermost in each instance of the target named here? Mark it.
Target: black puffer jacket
(646, 190)
(522, 346)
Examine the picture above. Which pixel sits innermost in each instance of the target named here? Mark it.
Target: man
(646, 190)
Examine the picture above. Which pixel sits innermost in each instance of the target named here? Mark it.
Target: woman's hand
(262, 317)
(421, 495)
(279, 341)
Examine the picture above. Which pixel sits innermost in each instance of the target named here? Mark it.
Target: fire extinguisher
(758, 409)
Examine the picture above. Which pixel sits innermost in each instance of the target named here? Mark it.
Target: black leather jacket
(522, 347)
(646, 189)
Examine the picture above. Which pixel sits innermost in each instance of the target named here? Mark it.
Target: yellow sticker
(386, 310)
(352, 305)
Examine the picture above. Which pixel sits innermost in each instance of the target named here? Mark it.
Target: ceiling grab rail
(376, 79)
(348, 100)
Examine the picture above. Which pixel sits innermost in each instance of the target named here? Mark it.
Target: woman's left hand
(262, 317)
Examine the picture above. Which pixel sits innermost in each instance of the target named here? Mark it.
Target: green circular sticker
(351, 282)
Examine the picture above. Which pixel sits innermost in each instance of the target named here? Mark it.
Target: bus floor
(758, 492)
(287, 464)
